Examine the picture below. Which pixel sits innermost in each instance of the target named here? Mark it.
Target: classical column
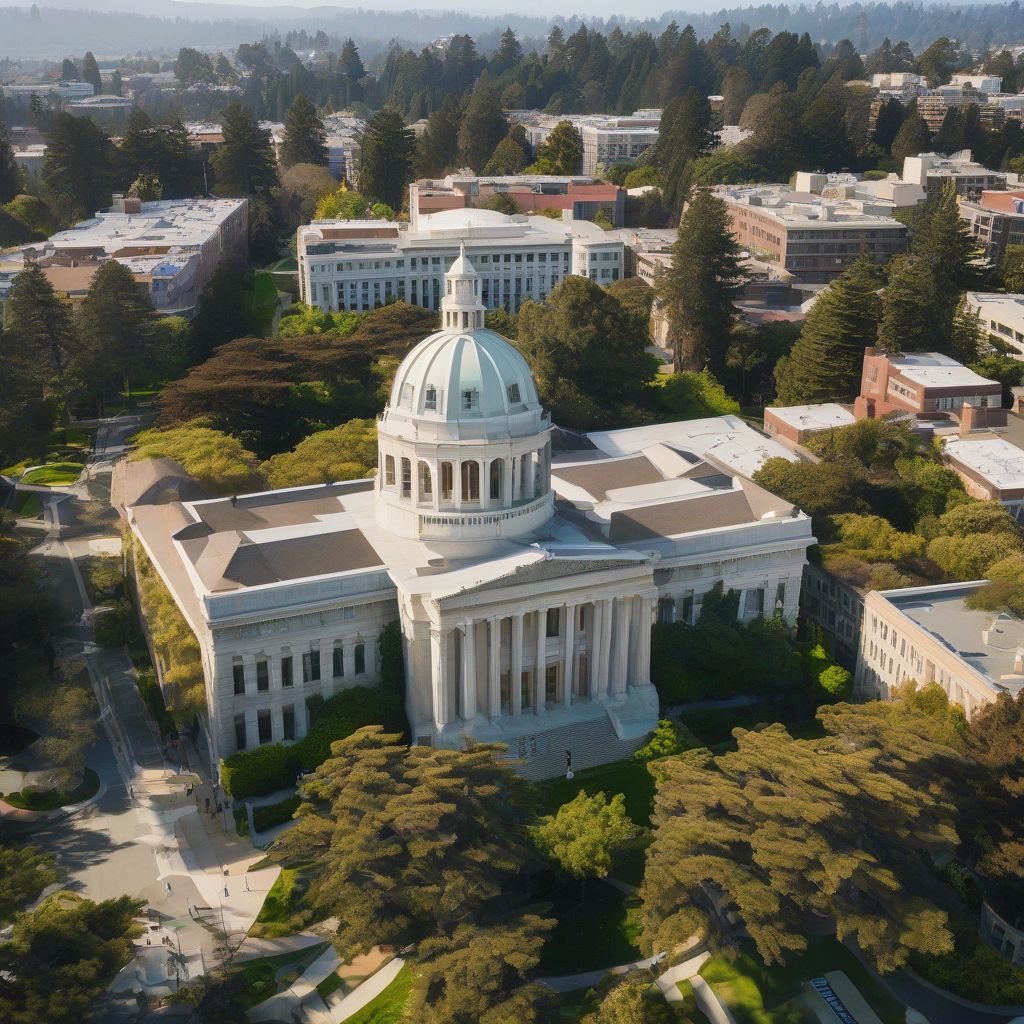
(494, 669)
(515, 686)
(439, 677)
(468, 670)
(642, 674)
(570, 654)
(326, 685)
(621, 646)
(539, 662)
(602, 645)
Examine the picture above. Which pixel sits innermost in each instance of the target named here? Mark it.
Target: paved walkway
(367, 992)
(301, 993)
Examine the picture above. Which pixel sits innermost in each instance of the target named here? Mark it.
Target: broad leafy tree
(698, 289)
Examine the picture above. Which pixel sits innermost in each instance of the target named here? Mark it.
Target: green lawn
(329, 986)
(259, 976)
(764, 995)
(280, 913)
(690, 1010)
(27, 505)
(600, 932)
(261, 301)
(631, 778)
(50, 800)
(389, 1006)
(54, 474)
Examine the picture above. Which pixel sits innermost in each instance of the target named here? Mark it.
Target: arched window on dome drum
(406, 478)
(425, 485)
(470, 481)
(447, 481)
(389, 470)
(430, 398)
(497, 478)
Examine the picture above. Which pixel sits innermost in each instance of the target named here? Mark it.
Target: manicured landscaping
(602, 931)
(50, 800)
(756, 994)
(630, 778)
(389, 1006)
(329, 986)
(261, 301)
(690, 1011)
(259, 977)
(974, 970)
(54, 474)
(280, 913)
(268, 815)
(27, 505)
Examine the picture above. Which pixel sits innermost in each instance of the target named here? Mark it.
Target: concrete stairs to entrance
(592, 743)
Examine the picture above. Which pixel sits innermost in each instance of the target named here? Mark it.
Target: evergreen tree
(78, 168)
(888, 122)
(909, 305)
(823, 125)
(508, 158)
(114, 332)
(305, 140)
(349, 61)
(510, 53)
(913, 136)
(483, 127)
(437, 148)
(777, 142)
(40, 321)
(149, 148)
(825, 363)
(561, 152)
(10, 173)
(116, 88)
(91, 72)
(1012, 269)
(685, 134)
(244, 162)
(385, 166)
(698, 289)
(69, 71)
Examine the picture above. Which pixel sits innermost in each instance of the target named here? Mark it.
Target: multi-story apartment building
(1002, 316)
(925, 384)
(172, 246)
(811, 238)
(357, 265)
(929, 634)
(932, 170)
(583, 197)
(996, 219)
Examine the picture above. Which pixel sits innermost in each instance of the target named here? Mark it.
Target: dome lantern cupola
(461, 308)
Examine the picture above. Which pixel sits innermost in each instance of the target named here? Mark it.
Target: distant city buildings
(172, 246)
(996, 219)
(358, 265)
(932, 170)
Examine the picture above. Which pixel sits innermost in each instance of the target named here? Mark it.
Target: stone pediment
(541, 571)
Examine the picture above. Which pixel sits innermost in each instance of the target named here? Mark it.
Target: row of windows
(426, 262)
(310, 668)
(469, 477)
(264, 728)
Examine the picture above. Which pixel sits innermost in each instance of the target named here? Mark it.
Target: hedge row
(270, 815)
(275, 766)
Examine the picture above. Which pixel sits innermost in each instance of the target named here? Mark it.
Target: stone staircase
(592, 743)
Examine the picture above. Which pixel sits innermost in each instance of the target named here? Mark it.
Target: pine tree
(41, 321)
(79, 165)
(305, 139)
(483, 127)
(91, 72)
(685, 134)
(825, 363)
(888, 122)
(349, 61)
(913, 136)
(385, 166)
(698, 289)
(244, 163)
(10, 173)
(438, 146)
(909, 305)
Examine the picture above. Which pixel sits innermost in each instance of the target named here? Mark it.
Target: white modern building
(173, 246)
(62, 91)
(358, 265)
(929, 634)
(979, 82)
(526, 581)
(1002, 316)
(932, 170)
(607, 139)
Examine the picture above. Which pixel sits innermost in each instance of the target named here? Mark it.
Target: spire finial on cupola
(461, 308)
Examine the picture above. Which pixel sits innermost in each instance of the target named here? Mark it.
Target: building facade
(996, 220)
(932, 170)
(1002, 316)
(358, 265)
(525, 580)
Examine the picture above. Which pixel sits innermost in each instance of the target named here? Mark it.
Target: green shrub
(664, 741)
(973, 970)
(116, 627)
(275, 766)
(270, 815)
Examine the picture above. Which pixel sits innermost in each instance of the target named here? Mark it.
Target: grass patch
(690, 1009)
(50, 800)
(389, 1006)
(282, 913)
(27, 505)
(601, 932)
(764, 995)
(630, 778)
(54, 474)
(259, 977)
(260, 299)
(102, 577)
(329, 986)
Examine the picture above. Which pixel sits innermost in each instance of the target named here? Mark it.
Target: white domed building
(526, 581)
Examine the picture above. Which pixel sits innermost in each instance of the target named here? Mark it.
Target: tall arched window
(425, 484)
(497, 478)
(447, 481)
(470, 481)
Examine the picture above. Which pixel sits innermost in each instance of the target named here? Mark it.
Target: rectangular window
(447, 480)
(389, 470)
(262, 675)
(583, 618)
(240, 732)
(288, 721)
(780, 597)
(406, 478)
(238, 672)
(554, 620)
(287, 679)
(263, 726)
(551, 684)
(311, 666)
(360, 659)
(339, 661)
(687, 615)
